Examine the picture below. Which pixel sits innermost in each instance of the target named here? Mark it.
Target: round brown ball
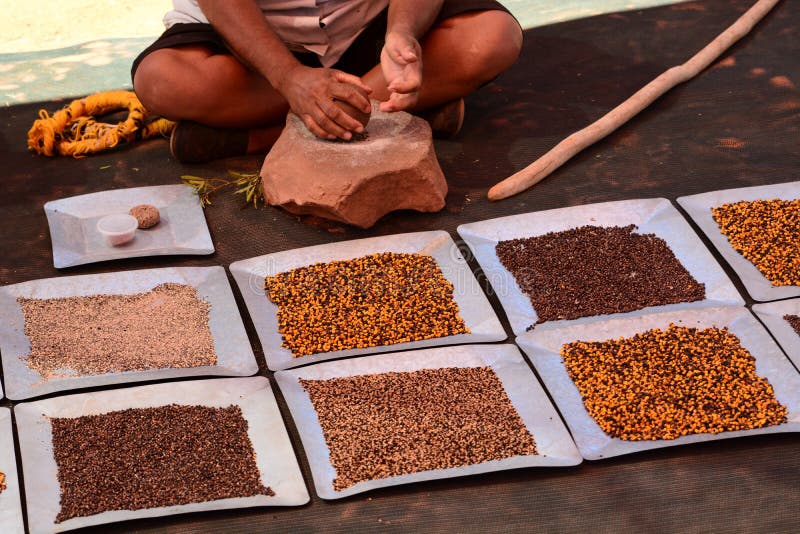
(146, 214)
(356, 113)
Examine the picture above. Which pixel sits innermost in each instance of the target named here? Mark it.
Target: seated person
(229, 71)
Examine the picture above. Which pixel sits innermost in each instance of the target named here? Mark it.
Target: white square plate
(234, 354)
(699, 209)
(771, 314)
(473, 306)
(274, 454)
(651, 216)
(543, 347)
(10, 505)
(553, 442)
(73, 221)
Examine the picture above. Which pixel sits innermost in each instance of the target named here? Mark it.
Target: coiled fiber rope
(74, 130)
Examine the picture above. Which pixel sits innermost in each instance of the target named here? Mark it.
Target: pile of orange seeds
(381, 299)
(663, 384)
(767, 233)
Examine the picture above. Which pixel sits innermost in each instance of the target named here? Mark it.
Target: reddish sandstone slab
(356, 182)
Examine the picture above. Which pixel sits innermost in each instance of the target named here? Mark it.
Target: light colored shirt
(324, 27)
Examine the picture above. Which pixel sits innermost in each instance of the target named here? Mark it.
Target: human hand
(311, 93)
(401, 63)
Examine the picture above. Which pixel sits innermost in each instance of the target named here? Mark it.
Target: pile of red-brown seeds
(595, 270)
(151, 457)
(794, 322)
(663, 384)
(396, 423)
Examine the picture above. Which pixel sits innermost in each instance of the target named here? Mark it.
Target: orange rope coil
(74, 131)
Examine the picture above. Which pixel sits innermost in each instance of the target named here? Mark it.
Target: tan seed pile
(767, 233)
(663, 384)
(382, 299)
(794, 322)
(390, 424)
(150, 457)
(166, 327)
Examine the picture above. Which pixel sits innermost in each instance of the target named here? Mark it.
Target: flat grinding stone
(355, 182)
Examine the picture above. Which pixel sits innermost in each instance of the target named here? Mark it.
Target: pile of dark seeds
(595, 270)
(663, 384)
(396, 423)
(151, 457)
(794, 322)
(381, 299)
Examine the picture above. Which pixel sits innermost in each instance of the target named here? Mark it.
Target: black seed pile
(593, 270)
(151, 457)
(794, 322)
(396, 423)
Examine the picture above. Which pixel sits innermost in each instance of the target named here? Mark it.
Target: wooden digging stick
(563, 151)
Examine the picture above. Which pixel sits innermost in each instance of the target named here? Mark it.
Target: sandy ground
(32, 25)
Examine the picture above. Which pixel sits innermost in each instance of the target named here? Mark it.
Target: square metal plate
(553, 443)
(473, 305)
(699, 209)
(73, 221)
(274, 454)
(234, 354)
(656, 216)
(543, 346)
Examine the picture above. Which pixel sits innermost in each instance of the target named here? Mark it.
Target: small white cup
(117, 228)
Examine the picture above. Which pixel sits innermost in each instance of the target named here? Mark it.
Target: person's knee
(165, 84)
(151, 83)
(501, 44)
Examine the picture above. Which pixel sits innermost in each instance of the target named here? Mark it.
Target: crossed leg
(191, 83)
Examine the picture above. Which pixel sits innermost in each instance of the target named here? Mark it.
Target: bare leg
(190, 83)
(458, 56)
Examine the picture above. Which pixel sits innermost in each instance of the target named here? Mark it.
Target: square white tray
(553, 442)
(699, 209)
(656, 216)
(73, 220)
(274, 454)
(10, 505)
(234, 354)
(771, 314)
(473, 306)
(543, 347)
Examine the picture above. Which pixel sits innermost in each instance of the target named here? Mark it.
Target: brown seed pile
(663, 384)
(2, 482)
(166, 327)
(390, 424)
(767, 233)
(794, 322)
(150, 457)
(593, 270)
(382, 299)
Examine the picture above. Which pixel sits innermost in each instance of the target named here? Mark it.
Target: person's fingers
(331, 118)
(350, 78)
(409, 81)
(315, 128)
(399, 102)
(352, 95)
(408, 54)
